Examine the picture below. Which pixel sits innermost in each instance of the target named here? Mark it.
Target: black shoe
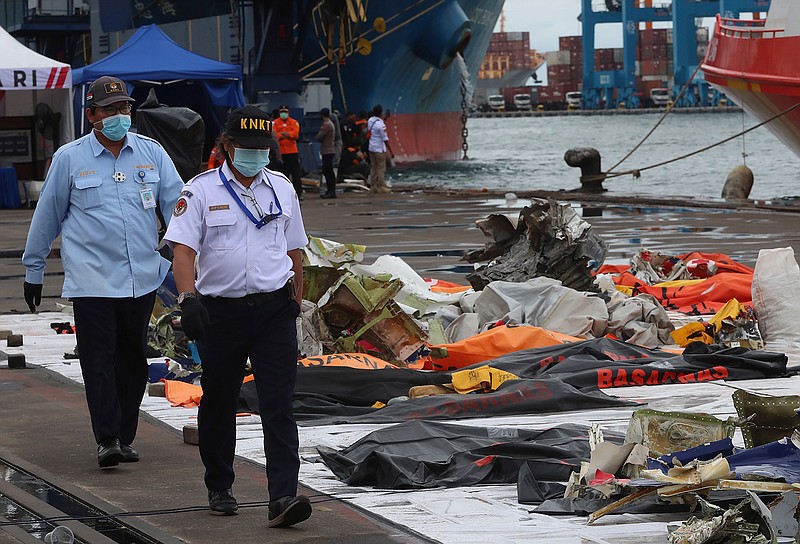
(288, 510)
(222, 503)
(129, 455)
(328, 195)
(109, 453)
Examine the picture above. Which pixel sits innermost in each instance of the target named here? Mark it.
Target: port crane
(613, 88)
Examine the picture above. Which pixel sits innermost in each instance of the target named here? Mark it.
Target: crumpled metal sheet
(312, 331)
(162, 337)
(322, 252)
(668, 432)
(785, 510)
(766, 418)
(363, 306)
(779, 460)
(550, 239)
(747, 522)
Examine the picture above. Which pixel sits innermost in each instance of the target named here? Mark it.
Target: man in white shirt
(378, 147)
(243, 224)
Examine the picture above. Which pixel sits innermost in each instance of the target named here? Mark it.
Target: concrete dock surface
(431, 231)
(44, 423)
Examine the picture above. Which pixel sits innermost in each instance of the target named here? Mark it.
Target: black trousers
(291, 169)
(266, 332)
(112, 335)
(327, 171)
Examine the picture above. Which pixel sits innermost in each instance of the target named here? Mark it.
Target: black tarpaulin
(513, 397)
(554, 379)
(345, 391)
(180, 131)
(606, 363)
(422, 454)
(531, 490)
(648, 504)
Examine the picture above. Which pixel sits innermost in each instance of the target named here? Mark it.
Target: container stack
(564, 70)
(654, 64)
(509, 53)
(609, 59)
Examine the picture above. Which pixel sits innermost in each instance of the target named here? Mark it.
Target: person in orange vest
(288, 131)
(215, 158)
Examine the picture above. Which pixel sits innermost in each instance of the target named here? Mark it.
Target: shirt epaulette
(274, 173)
(143, 137)
(201, 176)
(64, 148)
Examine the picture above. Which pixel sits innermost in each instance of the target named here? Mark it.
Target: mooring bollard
(588, 160)
(738, 184)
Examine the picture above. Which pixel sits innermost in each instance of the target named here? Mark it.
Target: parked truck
(574, 100)
(522, 102)
(660, 97)
(496, 102)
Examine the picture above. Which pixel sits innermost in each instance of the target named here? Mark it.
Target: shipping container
(557, 58)
(570, 42)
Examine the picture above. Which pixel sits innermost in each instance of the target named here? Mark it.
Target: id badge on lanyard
(148, 200)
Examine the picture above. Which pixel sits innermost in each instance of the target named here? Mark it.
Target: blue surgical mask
(284, 115)
(116, 127)
(249, 162)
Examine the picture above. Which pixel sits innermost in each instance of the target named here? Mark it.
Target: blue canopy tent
(150, 59)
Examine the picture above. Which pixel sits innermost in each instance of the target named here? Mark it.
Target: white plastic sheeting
(457, 515)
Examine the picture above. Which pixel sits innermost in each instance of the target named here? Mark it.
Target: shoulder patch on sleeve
(180, 207)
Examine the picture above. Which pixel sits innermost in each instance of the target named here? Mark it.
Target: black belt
(254, 300)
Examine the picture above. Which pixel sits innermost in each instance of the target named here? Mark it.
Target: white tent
(28, 79)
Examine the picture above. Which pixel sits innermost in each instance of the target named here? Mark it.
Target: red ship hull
(426, 136)
(757, 66)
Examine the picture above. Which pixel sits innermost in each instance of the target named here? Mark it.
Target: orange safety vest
(216, 158)
(290, 126)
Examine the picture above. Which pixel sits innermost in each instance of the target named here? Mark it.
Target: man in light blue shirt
(100, 195)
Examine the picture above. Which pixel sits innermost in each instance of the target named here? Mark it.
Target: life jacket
(288, 145)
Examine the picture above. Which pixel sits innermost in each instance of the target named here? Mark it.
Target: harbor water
(527, 154)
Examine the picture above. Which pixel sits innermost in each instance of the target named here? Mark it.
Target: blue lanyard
(257, 222)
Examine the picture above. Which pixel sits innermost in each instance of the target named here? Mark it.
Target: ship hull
(759, 70)
(412, 70)
(426, 136)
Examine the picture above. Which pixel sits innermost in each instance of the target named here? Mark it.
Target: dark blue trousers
(112, 335)
(266, 332)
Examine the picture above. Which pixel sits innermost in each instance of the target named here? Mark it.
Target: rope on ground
(670, 107)
(159, 512)
(636, 173)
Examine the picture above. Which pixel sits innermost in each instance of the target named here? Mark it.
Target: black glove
(33, 294)
(194, 319)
